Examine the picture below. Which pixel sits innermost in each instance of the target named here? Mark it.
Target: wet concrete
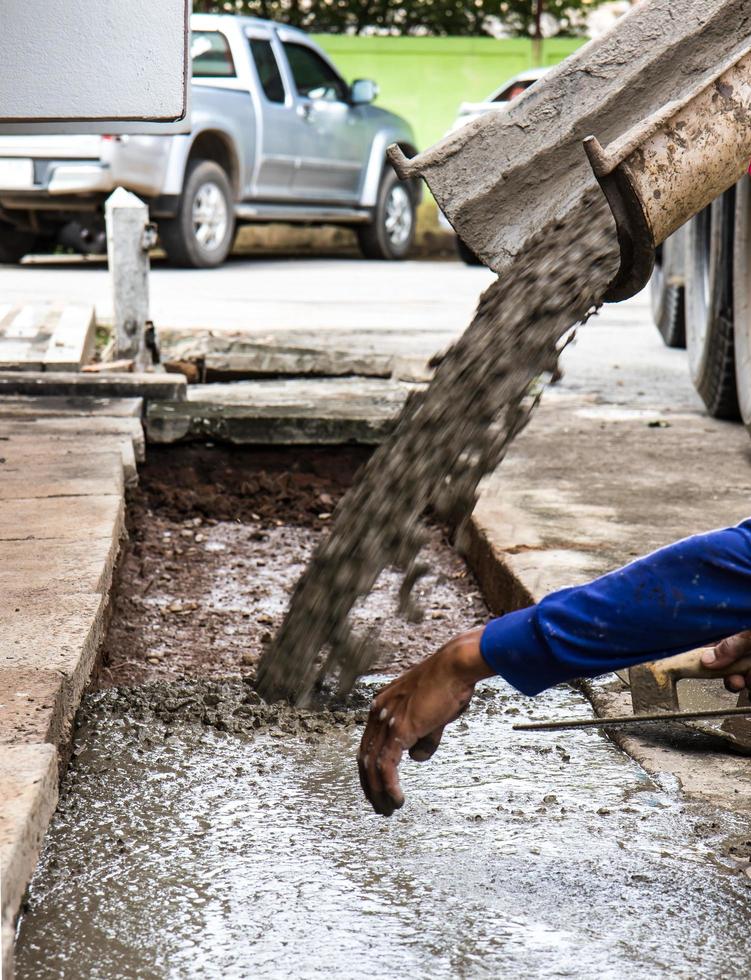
(201, 833)
(184, 850)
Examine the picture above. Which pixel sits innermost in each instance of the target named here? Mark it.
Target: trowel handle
(689, 665)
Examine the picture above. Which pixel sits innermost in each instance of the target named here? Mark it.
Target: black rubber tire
(742, 297)
(374, 238)
(466, 254)
(178, 234)
(668, 298)
(14, 244)
(709, 307)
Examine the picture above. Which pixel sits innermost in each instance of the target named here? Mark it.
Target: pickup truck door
(334, 135)
(279, 134)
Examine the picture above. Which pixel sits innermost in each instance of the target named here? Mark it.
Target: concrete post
(129, 237)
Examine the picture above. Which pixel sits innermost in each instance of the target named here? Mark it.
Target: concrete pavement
(63, 469)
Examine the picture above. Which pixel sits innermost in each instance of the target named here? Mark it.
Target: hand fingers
(735, 682)
(424, 748)
(373, 746)
(727, 651)
(387, 764)
(367, 744)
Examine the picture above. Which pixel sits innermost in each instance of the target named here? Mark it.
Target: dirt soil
(217, 540)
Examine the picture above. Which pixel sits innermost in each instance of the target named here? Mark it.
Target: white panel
(82, 60)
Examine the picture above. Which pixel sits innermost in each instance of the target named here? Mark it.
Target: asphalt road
(421, 306)
(430, 301)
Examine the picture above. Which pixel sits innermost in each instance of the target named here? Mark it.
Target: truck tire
(14, 244)
(667, 290)
(742, 297)
(200, 235)
(709, 306)
(391, 233)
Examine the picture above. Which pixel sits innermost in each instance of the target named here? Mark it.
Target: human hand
(727, 652)
(411, 713)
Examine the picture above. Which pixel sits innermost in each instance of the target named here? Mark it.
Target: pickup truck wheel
(667, 294)
(200, 235)
(391, 233)
(709, 311)
(14, 244)
(742, 297)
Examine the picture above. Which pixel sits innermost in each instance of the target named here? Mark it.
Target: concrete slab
(31, 705)
(66, 518)
(76, 475)
(89, 385)
(35, 450)
(28, 790)
(294, 412)
(589, 486)
(77, 430)
(68, 567)
(76, 406)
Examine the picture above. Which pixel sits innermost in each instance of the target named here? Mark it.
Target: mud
(201, 597)
(182, 849)
(447, 438)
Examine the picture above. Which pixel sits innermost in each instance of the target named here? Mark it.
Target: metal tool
(655, 698)
(552, 726)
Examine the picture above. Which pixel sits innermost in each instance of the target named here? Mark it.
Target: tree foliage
(415, 17)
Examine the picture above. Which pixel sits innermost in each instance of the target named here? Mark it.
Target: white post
(129, 237)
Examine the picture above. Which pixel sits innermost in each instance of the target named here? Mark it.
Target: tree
(415, 17)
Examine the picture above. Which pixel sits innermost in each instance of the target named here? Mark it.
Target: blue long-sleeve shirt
(692, 593)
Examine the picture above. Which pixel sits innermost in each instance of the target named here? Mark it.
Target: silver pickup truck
(276, 135)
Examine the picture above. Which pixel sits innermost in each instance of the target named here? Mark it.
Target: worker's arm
(693, 593)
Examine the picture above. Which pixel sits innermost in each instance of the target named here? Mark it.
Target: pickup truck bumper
(80, 178)
(50, 177)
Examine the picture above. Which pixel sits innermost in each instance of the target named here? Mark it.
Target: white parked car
(497, 101)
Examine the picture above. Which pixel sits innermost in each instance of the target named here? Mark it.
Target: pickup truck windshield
(314, 78)
(211, 56)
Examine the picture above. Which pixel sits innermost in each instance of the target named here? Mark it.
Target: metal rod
(550, 726)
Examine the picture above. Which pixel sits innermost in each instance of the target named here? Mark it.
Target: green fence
(425, 78)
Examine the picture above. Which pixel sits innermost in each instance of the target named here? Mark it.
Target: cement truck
(701, 300)
(658, 112)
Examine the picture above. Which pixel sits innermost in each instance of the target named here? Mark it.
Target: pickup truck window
(211, 56)
(267, 68)
(314, 78)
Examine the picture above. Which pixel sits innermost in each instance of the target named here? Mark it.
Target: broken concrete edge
(511, 572)
(168, 387)
(29, 781)
(63, 630)
(262, 425)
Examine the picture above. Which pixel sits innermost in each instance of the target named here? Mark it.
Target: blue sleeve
(692, 593)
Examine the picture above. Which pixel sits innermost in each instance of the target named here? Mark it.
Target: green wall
(425, 78)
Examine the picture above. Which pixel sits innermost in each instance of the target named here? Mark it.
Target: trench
(201, 833)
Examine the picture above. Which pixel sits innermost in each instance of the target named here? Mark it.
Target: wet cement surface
(184, 850)
(202, 834)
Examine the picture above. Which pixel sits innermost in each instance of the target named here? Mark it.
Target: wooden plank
(165, 387)
(72, 342)
(34, 336)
